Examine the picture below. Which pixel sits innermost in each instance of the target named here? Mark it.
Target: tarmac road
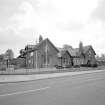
(82, 89)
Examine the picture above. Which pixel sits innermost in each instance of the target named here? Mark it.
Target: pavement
(83, 89)
(23, 78)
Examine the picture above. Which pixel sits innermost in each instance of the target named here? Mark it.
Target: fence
(24, 71)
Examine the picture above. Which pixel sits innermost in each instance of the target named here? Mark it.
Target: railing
(24, 71)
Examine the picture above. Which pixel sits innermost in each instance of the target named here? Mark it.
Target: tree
(102, 55)
(9, 54)
(22, 51)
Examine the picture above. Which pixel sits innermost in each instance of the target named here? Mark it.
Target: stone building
(41, 55)
(45, 54)
(84, 55)
(64, 58)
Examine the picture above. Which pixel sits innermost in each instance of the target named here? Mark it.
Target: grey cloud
(9, 37)
(7, 8)
(9, 40)
(99, 12)
(70, 26)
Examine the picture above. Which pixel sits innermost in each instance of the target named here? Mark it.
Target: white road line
(23, 92)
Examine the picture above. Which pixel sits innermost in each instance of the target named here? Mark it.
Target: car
(59, 67)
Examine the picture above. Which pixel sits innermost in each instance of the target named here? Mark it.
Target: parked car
(59, 67)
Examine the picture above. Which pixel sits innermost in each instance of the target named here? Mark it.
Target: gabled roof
(30, 48)
(75, 51)
(62, 51)
(72, 51)
(86, 48)
(42, 42)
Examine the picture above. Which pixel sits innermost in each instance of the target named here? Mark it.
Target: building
(82, 56)
(64, 58)
(89, 56)
(45, 54)
(41, 55)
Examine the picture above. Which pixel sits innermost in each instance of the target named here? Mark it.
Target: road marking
(23, 92)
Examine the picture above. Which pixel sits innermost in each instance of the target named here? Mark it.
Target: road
(84, 89)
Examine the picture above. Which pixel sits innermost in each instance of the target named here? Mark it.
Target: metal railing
(22, 71)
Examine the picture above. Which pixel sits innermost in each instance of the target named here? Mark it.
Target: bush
(94, 65)
(89, 65)
(68, 66)
(3, 67)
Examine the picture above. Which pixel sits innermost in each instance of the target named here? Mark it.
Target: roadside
(47, 70)
(23, 78)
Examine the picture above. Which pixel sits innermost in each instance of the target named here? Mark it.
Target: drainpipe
(46, 53)
(36, 59)
(61, 61)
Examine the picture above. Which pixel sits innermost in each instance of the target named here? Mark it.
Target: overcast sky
(62, 21)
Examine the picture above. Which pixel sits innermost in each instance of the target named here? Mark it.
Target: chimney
(40, 38)
(80, 47)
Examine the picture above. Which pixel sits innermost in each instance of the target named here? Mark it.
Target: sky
(62, 21)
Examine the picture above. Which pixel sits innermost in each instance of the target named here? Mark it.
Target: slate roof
(30, 48)
(75, 51)
(42, 42)
(86, 48)
(62, 51)
(72, 51)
